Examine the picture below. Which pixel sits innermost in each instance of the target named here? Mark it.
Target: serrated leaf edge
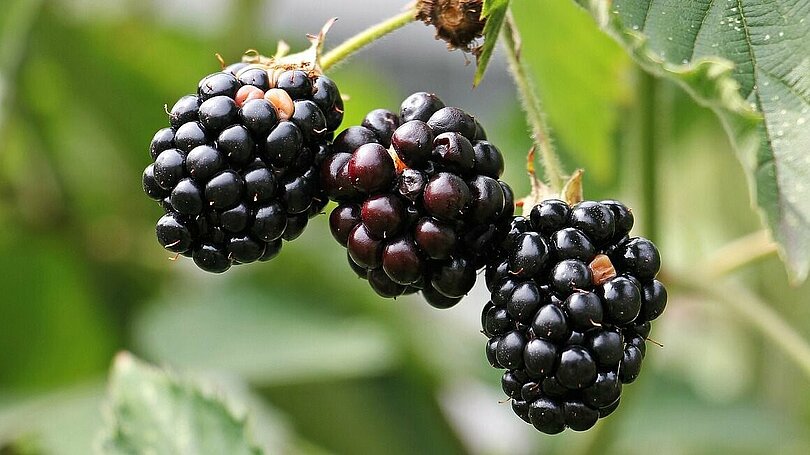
(740, 121)
(124, 363)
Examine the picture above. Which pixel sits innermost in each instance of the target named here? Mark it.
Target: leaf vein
(768, 138)
(700, 29)
(646, 16)
(801, 96)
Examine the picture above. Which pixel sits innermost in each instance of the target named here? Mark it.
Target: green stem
(367, 36)
(647, 89)
(738, 253)
(754, 311)
(15, 30)
(531, 104)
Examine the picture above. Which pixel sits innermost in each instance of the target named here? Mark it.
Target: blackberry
(236, 172)
(572, 297)
(419, 201)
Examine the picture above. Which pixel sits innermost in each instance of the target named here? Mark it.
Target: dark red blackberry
(572, 297)
(237, 170)
(425, 186)
(413, 142)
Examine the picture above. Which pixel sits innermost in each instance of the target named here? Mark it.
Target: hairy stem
(366, 37)
(532, 106)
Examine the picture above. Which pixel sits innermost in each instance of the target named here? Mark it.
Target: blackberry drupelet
(419, 199)
(237, 170)
(572, 297)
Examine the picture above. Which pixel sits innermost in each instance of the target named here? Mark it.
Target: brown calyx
(307, 60)
(458, 22)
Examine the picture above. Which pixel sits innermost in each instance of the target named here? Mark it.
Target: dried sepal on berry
(540, 191)
(458, 22)
(572, 190)
(307, 60)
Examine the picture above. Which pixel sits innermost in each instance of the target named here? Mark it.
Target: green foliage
(52, 282)
(281, 338)
(318, 362)
(747, 60)
(582, 100)
(152, 411)
(66, 421)
(495, 13)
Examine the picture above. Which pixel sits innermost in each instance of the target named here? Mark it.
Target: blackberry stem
(366, 37)
(531, 105)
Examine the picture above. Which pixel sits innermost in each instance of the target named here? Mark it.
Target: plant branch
(738, 253)
(14, 41)
(366, 37)
(754, 311)
(531, 105)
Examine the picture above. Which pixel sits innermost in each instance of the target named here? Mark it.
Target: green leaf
(495, 12)
(267, 339)
(152, 411)
(493, 5)
(582, 97)
(65, 421)
(748, 61)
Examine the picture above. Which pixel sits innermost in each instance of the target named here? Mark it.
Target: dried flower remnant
(458, 22)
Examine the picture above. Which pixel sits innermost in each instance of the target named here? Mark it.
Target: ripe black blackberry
(572, 300)
(419, 199)
(236, 172)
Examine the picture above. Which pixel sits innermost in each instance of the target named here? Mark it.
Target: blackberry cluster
(419, 199)
(572, 300)
(237, 171)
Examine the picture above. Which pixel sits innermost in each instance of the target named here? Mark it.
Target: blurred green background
(323, 365)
